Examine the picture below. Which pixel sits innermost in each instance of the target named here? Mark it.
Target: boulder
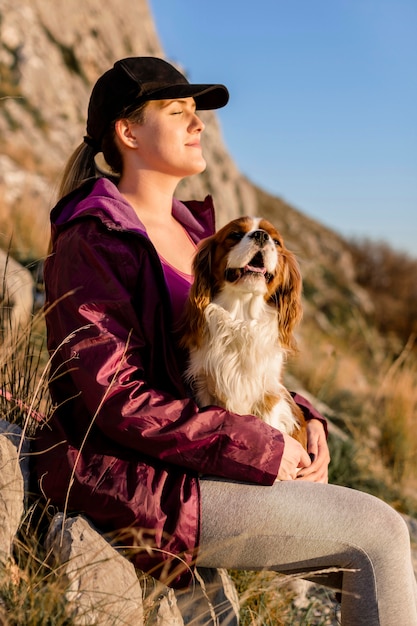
(103, 587)
(12, 493)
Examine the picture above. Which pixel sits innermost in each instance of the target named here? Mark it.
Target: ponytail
(80, 166)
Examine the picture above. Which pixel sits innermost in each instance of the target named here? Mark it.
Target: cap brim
(206, 97)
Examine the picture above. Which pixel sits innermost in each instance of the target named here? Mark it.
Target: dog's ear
(287, 299)
(200, 294)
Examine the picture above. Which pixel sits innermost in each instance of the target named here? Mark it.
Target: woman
(126, 445)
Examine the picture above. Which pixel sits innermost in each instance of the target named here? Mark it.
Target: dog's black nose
(260, 236)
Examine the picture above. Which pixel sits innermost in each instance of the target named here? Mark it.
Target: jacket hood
(101, 199)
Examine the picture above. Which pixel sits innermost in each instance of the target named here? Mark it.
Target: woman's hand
(294, 457)
(317, 447)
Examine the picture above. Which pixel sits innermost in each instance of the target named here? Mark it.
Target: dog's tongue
(253, 268)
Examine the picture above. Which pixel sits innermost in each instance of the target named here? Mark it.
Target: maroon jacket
(126, 445)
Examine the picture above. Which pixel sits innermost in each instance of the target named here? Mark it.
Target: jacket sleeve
(112, 349)
(308, 410)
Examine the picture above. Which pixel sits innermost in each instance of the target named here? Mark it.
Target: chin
(239, 323)
(196, 163)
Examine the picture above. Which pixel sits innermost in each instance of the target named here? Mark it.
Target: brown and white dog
(243, 307)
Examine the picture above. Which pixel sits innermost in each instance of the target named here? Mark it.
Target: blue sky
(323, 102)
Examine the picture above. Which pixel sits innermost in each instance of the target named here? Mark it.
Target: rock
(103, 585)
(164, 610)
(212, 600)
(13, 433)
(11, 495)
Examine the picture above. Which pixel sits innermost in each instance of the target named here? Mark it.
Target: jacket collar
(100, 198)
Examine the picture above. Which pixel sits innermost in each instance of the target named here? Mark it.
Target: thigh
(287, 522)
(297, 515)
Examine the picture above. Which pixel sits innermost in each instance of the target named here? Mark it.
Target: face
(246, 258)
(247, 253)
(168, 138)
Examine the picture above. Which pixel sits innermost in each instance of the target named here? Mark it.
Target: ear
(200, 295)
(125, 133)
(287, 299)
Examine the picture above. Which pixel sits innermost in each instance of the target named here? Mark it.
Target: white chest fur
(239, 364)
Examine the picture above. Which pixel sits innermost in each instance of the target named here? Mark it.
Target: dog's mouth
(255, 267)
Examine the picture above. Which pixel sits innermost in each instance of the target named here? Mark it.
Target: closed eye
(235, 235)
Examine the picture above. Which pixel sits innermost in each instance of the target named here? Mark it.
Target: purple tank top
(178, 284)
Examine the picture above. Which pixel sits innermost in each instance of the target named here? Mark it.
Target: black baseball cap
(135, 80)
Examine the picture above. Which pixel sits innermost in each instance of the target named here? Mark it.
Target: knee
(396, 527)
(388, 530)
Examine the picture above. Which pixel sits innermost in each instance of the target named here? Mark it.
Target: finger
(312, 444)
(314, 477)
(322, 475)
(286, 477)
(305, 459)
(318, 472)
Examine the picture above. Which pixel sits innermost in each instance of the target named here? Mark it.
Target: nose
(197, 123)
(260, 236)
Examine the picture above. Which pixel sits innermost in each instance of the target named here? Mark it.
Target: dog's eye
(235, 235)
(277, 243)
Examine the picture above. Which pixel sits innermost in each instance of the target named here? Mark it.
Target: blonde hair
(80, 166)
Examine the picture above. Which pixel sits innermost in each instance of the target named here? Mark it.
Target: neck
(242, 305)
(148, 192)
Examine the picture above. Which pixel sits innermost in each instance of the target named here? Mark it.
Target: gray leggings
(295, 527)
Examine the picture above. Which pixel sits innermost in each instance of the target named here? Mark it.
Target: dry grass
(396, 405)
(32, 593)
(24, 396)
(372, 391)
(268, 599)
